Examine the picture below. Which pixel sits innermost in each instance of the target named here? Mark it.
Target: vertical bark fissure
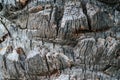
(6, 28)
(83, 4)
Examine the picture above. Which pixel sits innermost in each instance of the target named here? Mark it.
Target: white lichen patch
(13, 56)
(3, 31)
(32, 53)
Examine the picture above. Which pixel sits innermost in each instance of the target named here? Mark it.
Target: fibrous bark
(59, 39)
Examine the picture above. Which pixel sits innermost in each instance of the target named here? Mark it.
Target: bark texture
(59, 39)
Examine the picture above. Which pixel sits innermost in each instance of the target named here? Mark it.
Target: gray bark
(60, 40)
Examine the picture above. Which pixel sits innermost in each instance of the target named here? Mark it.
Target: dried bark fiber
(60, 40)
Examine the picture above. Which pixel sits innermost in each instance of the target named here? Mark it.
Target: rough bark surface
(59, 39)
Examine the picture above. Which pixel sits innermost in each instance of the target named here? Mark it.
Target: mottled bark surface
(59, 39)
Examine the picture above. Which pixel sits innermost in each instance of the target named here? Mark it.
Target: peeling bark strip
(59, 40)
(36, 9)
(22, 57)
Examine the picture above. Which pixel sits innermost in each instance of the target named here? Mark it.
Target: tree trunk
(59, 39)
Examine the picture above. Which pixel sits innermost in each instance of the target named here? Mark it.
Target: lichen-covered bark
(59, 39)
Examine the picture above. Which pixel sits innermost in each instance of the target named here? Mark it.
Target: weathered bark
(60, 40)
